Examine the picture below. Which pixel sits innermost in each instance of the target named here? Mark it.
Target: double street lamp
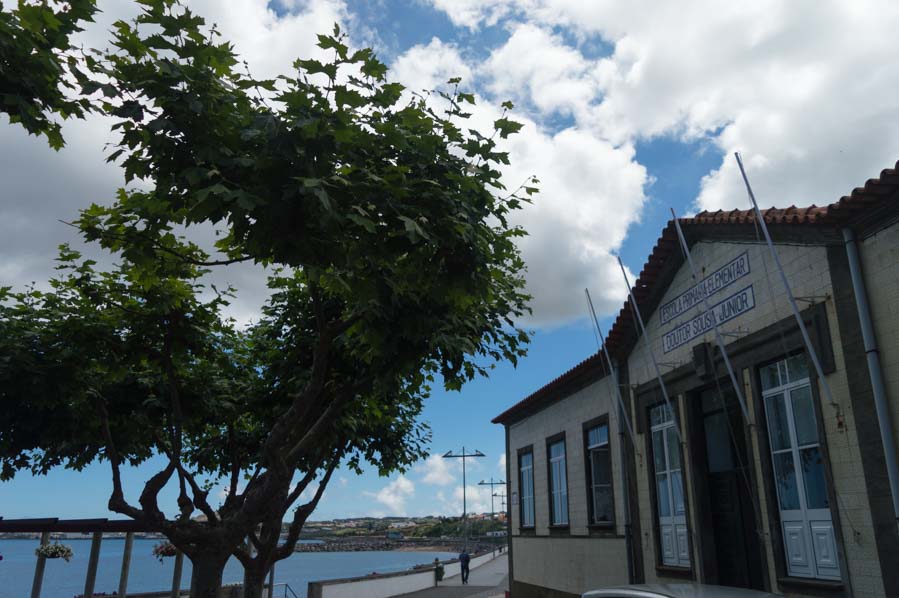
(492, 484)
(464, 456)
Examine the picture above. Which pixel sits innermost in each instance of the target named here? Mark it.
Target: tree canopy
(39, 70)
(385, 219)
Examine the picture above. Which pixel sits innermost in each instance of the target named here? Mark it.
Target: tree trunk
(206, 580)
(254, 582)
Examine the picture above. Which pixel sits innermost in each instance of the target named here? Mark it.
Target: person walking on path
(464, 559)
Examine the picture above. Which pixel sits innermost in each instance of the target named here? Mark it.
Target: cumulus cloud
(501, 464)
(394, 495)
(436, 471)
(476, 500)
(591, 190)
(474, 13)
(426, 67)
(803, 89)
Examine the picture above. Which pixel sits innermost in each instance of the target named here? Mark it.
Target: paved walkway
(487, 581)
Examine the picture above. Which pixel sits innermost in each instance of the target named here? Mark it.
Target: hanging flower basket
(54, 551)
(164, 550)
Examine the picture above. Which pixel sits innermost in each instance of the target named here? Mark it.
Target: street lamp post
(464, 456)
(491, 483)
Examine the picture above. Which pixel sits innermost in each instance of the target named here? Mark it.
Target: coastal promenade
(487, 581)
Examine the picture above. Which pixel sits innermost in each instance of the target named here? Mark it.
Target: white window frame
(593, 452)
(673, 533)
(526, 481)
(809, 538)
(558, 484)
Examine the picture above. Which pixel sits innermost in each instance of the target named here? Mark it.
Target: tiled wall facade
(880, 265)
(807, 270)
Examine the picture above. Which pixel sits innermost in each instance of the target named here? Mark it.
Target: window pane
(527, 460)
(659, 415)
(658, 451)
(804, 416)
(556, 509)
(673, 449)
(563, 508)
(598, 436)
(662, 491)
(769, 377)
(527, 506)
(557, 449)
(797, 367)
(602, 504)
(785, 478)
(601, 466)
(813, 475)
(778, 429)
(677, 491)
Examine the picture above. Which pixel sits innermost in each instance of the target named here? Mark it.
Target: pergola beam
(55, 525)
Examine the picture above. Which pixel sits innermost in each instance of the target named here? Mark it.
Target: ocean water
(65, 580)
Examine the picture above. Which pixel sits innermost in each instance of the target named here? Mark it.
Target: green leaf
(506, 127)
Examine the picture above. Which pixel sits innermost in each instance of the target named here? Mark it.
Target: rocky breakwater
(348, 545)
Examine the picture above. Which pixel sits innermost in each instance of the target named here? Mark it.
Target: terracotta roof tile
(623, 329)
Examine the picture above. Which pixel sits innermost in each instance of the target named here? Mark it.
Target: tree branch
(301, 485)
(303, 511)
(325, 420)
(117, 502)
(199, 495)
(168, 250)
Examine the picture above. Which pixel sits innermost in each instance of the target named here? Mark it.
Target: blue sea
(65, 580)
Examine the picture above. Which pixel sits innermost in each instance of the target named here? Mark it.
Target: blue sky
(628, 111)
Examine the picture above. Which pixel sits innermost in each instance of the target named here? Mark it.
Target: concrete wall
(807, 269)
(571, 565)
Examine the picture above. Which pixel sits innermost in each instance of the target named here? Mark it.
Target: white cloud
(394, 495)
(536, 67)
(476, 500)
(591, 190)
(501, 463)
(436, 471)
(474, 13)
(423, 68)
(804, 89)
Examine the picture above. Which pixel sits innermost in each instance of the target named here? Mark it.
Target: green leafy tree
(397, 269)
(38, 67)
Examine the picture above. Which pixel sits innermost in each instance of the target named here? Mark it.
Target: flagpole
(649, 353)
